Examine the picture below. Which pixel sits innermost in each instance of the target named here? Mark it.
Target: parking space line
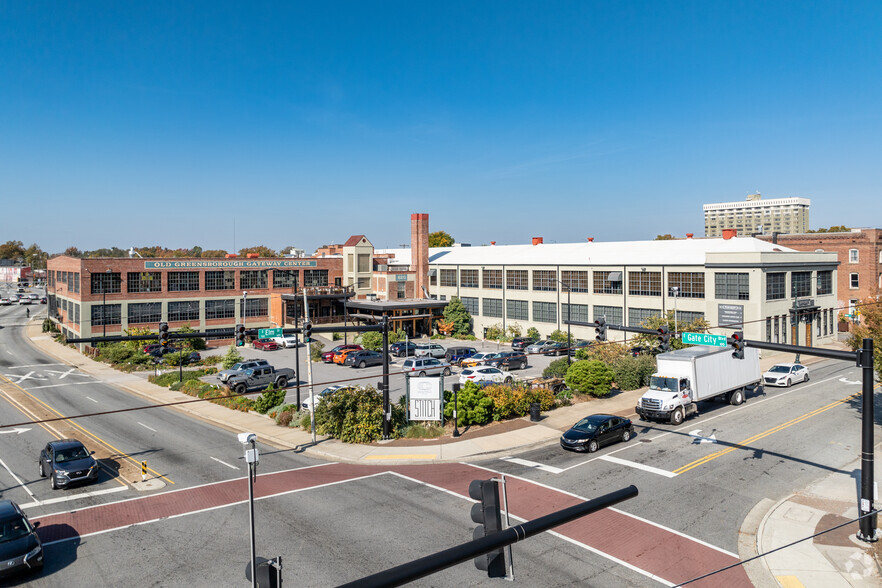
(639, 466)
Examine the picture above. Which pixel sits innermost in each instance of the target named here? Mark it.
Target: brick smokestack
(419, 251)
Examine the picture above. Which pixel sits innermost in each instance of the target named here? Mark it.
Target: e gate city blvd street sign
(268, 333)
(703, 339)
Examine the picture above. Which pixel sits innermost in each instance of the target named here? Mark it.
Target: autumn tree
(456, 313)
(440, 239)
(35, 257)
(870, 327)
(260, 250)
(833, 229)
(73, 252)
(12, 250)
(665, 237)
(208, 253)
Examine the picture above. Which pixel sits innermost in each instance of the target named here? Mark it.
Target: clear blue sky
(160, 123)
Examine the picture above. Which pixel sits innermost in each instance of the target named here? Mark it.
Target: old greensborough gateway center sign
(230, 263)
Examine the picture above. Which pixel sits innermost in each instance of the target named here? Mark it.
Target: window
(853, 281)
(76, 283)
(365, 282)
(784, 320)
(253, 279)
(102, 283)
(775, 286)
(824, 320)
(285, 279)
(612, 314)
(825, 282)
(184, 310)
(686, 316)
(691, 284)
(492, 279)
(768, 329)
(468, 278)
(471, 305)
(604, 285)
(544, 281)
(517, 279)
(220, 334)
(645, 284)
(577, 281)
(364, 263)
(433, 278)
(517, 310)
(139, 282)
(800, 284)
(223, 280)
(220, 309)
(777, 327)
(183, 282)
(256, 307)
(853, 256)
(448, 278)
(110, 314)
(147, 312)
(638, 316)
(493, 307)
(830, 321)
(574, 312)
(314, 278)
(732, 286)
(544, 312)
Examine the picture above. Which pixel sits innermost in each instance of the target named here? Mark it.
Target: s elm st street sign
(704, 339)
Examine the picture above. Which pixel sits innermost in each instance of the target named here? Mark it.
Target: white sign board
(425, 399)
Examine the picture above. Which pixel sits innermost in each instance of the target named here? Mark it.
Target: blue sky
(161, 123)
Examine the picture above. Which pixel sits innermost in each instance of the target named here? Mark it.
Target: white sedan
(786, 374)
(286, 341)
(485, 373)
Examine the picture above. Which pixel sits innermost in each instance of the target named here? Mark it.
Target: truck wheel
(446, 371)
(737, 397)
(282, 382)
(592, 446)
(677, 417)
(239, 389)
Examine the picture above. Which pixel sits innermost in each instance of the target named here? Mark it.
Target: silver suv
(238, 367)
(429, 350)
(425, 366)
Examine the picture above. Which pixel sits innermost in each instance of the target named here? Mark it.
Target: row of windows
(800, 284)
(546, 312)
(151, 282)
(776, 326)
(183, 310)
(71, 280)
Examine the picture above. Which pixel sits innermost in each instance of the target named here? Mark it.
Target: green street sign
(703, 339)
(268, 333)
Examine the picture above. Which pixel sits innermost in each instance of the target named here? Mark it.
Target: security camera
(245, 438)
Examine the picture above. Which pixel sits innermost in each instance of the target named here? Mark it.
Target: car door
(605, 433)
(46, 460)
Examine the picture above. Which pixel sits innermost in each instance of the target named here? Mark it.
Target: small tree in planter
(590, 377)
(534, 333)
(231, 357)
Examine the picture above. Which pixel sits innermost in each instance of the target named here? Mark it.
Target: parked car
(286, 341)
(595, 431)
(340, 356)
(224, 375)
(455, 355)
(429, 350)
(520, 343)
(579, 344)
(159, 352)
(363, 358)
(485, 374)
(478, 359)
(539, 346)
(43, 300)
(786, 374)
(509, 360)
(328, 356)
(425, 366)
(402, 348)
(66, 462)
(20, 547)
(556, 348)
(265, 344)
(149, 349)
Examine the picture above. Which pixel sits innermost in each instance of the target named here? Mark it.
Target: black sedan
(363, 358)
(509, 360)
(595, 431)
(556, 348)
(66, 462)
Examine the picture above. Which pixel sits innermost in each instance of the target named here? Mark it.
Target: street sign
(703, 339)
(267, 333)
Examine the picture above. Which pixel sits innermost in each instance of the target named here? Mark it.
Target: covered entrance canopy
(415, 317)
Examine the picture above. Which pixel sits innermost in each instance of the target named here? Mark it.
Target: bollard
(143, 471)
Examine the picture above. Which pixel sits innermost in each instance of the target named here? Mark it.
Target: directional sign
(267, 333)
(703, 339)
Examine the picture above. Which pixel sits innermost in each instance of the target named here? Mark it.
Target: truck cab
(665, 395)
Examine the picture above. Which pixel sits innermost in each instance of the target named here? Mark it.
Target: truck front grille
(652, 404)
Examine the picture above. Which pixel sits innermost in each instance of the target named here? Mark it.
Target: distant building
(754, 215)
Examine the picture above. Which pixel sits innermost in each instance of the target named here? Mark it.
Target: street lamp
(569, 311)
(252, 458)
(675, 292)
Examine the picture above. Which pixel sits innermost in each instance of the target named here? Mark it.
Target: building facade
(754, 215)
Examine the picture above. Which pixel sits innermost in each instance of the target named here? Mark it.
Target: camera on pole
(738, 345)
(163, 336)
(600, 329)
(488, 514)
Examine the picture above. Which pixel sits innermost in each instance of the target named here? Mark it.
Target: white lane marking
(844, 381)
(57, 385)
(27, 376)
(18, 367)
(697, 438)
(18, 431)
(75, 496)
(29, 413)
(232, 467)
(533, 464)
(92, 399)
(70, 372)
(639, 466)
(17, 479)
(146, 427)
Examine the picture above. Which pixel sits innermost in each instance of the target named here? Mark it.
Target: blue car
(455, 355)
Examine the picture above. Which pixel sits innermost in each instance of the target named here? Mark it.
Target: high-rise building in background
(755, 215)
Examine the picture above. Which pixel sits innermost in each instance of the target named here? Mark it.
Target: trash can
(535, 412)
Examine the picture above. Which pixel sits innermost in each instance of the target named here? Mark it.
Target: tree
(231, 357)
(456, 313)
(12, 250)
(372, 340)
(590, 377)
(533, 332)
(440, 239)
(191, 344)
(665, 237)
(833, 229)
(35, 257)
(260, 250)
(73, 252)
(208, 253)
(869, 327)
(558, 335)
(699, 325)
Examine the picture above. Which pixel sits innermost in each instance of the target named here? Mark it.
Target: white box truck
(689, 375)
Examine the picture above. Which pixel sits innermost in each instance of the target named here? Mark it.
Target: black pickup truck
(258, 378)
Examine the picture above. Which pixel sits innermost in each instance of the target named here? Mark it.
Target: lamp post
(569, 311)
(675, 292)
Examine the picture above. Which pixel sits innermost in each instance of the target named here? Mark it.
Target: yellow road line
(405, 456)
(789, 582)
(87, 432)
(758, 436)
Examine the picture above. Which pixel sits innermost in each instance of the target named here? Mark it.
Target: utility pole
(309, 368)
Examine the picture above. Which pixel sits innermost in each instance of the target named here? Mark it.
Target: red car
(266, 344)
(328, 356)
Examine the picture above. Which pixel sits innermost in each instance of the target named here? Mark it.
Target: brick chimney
(729, 233)
(537, 240)
(419, 251)
(591, 239)
(689, 235)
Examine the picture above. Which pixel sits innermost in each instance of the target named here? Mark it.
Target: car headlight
(33, 552)
(61, 472)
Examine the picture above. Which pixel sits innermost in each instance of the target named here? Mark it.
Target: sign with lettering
(400, 277)
(230, 263)
(269, 333)
(703, 339)
(730, 315)
(425, 399)
(803, 303)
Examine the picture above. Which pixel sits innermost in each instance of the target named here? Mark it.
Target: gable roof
(354, 240)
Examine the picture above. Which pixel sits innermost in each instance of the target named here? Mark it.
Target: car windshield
(780, 369)
(236, 366)
(589, 423)
(662, 383)
(12, 529)
(71, 454)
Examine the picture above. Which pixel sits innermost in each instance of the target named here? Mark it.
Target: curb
(749, 538)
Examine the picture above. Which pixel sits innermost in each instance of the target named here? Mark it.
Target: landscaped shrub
(558, 335)
(270, 398)
(533, 332)
(556, 369)
(315, 350)
(169, 377)
(590, 377)
(372, 340)
(544, 396)
(231, 357)
(494, 333)
(284, 418)
(474, 406)
(355, 415)
(633, 372)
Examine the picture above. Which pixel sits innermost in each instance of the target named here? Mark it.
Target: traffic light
(600, 329)
(240, 335)
(487, 513)
(738, 345)
(307, 332)
(163, 335)
(664, 338)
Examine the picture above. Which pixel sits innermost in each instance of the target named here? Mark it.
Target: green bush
(558, 335)
(315, 350)
(466, 338)
(335, 336)
(494, 333)
(438, 336)
(633, 372)
(169, 378)
(115, 353)
(231, 357)
(475, 407)
(270, 398)
(534, 333)
(513, 331)
(590, 377)
(306, 420)
(372, 340)
(556, 369)
(564, 397)
(355, 415)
